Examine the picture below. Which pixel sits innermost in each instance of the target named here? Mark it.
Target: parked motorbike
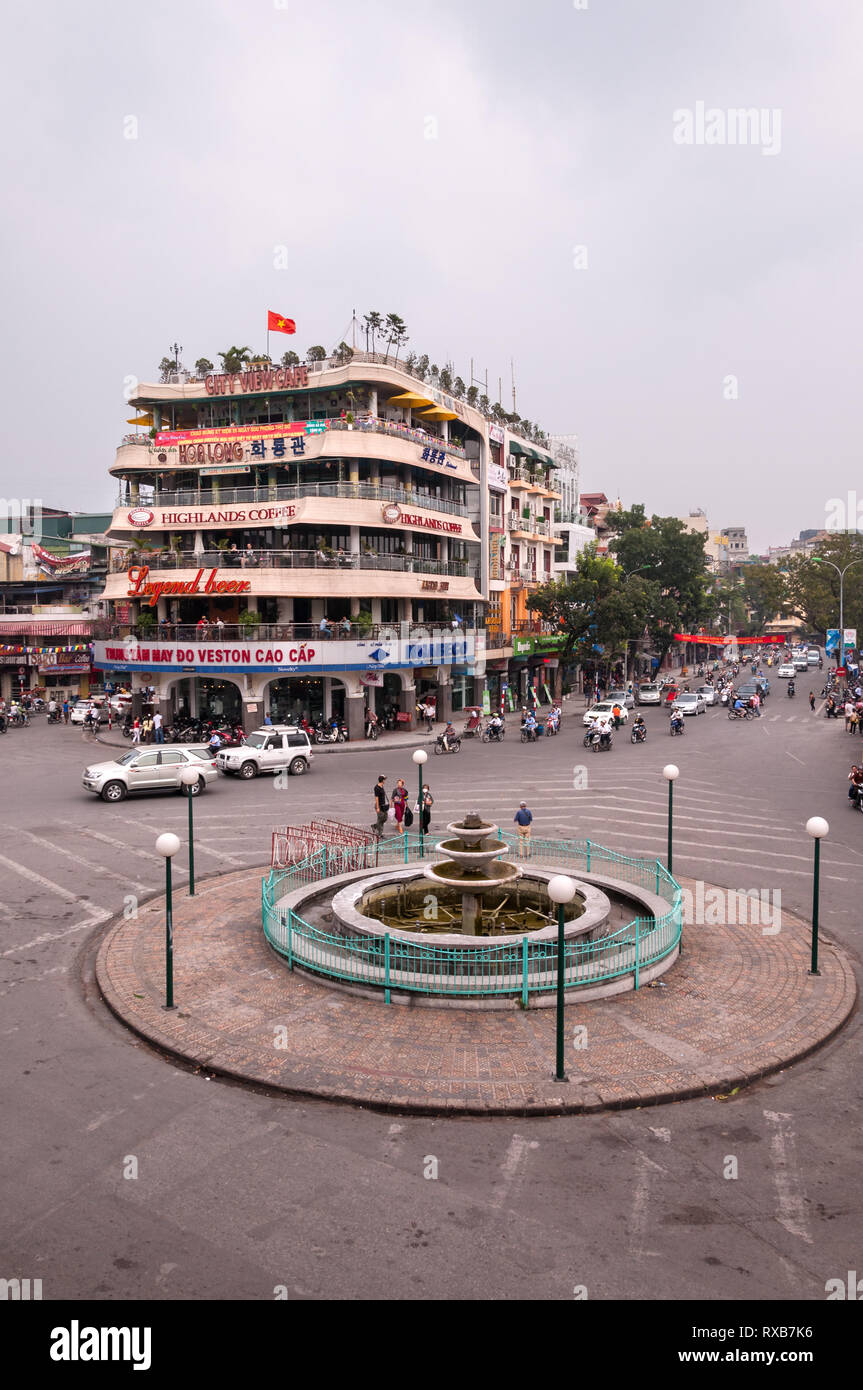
(332, 732)
(372, 727)
(454, 744)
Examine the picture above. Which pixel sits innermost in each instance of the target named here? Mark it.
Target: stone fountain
(472, 865)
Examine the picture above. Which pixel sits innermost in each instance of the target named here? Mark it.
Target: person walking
(136, 730)
(65, 711)
(426, 808)
(812, 700)
(400, 801)
(158, 732)
(523, 819)
(148, 729)
(382, 805)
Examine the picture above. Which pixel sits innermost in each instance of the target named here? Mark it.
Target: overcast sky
(444, 160)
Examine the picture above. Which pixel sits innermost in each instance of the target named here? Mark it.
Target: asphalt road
(237, 1192)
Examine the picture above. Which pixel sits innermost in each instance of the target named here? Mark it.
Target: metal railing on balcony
(368, 424)
(357, 492)
(281, 632)
(292, 559)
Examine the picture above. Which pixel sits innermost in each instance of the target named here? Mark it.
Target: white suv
(272, 749)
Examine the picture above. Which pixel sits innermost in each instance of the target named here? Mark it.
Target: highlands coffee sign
(151, 591)
(213, 516)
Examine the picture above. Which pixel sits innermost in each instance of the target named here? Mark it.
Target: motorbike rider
(495, 726)
(529, 723)
(448, 733)
(855, 791)
(791, 688)
(677, 719)
(606, 732)
(739, 707)
(639, 728)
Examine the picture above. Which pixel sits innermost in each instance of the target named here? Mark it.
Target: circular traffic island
(737, 1005)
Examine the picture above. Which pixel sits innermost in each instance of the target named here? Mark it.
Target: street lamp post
(670, 772)
(819, 560)
(561, 890)
(817, 827)
(189, 779)
(420, 757)
(167, 845)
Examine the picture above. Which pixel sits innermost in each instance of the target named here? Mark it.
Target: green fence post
(657, 877)
(588, 856)
(386, 967)
(637, 924)
(524, 972)
(290, 940)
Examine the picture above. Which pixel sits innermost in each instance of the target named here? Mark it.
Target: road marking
(790, 1195)
(794, 756)
(52, 887)
(640, 1206)
(83, 863)
(509, 1169)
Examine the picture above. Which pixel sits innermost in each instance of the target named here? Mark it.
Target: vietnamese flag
(279, 324)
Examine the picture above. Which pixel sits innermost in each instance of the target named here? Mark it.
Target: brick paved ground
(736, 1005)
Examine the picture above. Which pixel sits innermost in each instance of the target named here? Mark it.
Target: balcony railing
(292, 559)
(280, 632)
(358, 492)
(370, 424)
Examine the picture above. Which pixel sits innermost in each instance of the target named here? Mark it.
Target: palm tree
(233, 359)
(373, 324)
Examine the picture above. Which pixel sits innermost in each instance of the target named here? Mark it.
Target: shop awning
(409, 399)
(516, 448)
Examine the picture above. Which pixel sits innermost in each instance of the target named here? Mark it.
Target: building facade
(308, 540)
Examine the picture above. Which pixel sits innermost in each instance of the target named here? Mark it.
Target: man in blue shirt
(523, 818)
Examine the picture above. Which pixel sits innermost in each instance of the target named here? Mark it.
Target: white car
(271, 749)
(649, 694)
(81, 708)
(690, 702)
(708, 693)
(623, 697)
(813, 657)
(154, 768)
(800, 663)
(604, 710)
(786, 671)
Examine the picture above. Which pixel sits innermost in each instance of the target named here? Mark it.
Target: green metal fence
(519, 967)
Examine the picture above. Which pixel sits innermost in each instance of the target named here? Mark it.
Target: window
(148, 760)
(170, 758)
(297, 741)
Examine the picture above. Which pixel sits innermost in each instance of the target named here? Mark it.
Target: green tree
(234, 358)
(373, 324)
(316, 353)
(290, 358)
(458, 388)
(167, 368)
(446, 379)
(765, 593)
(396, 333)
(483, 404)
(342, 353)
(672, 564)
(421, 368)
(471, 395)
(813, 588)
(598, 611)
(203, 366)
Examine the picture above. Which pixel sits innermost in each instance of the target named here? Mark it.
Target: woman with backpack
(400, 801)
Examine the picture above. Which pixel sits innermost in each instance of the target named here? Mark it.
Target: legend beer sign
(150, 591)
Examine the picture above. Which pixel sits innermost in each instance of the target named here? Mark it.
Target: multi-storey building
(305, 540)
